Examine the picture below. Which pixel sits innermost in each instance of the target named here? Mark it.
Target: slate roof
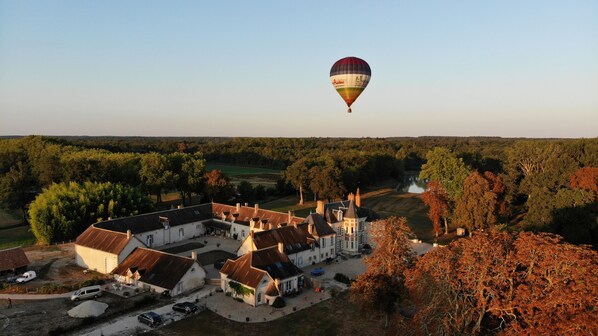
(152, 221)
(157, 268)
(351, 210)
(369, 214)
(294, 238)
(321, 227)
(12, 259)
(250, 268)
(104, 240)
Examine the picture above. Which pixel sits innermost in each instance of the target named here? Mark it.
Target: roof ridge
(111, 231)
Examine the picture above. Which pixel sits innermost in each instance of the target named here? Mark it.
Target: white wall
(95, 259)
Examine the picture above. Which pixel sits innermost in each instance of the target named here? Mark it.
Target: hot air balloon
(350, 76)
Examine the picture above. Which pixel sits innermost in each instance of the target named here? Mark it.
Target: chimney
(109, 218)
(238, 207)
(246, 204)
(358, 199)
(281, 247)
(290, 216)
(129, 234)
(180, 206)
(320, 208)
(310, 228)
(193, 255)
(251, 234)
(257, 207)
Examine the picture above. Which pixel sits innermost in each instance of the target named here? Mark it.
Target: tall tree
(155, 174)
(189, 169)
(218, 186)
(445, 167)
(18, 187)
(381, 287)
(477, 207)
(437, 199)
(298, 175)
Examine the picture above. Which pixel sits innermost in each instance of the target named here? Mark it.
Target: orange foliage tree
(496, 282)
(438, 200)
(381, 287)
(586, 178)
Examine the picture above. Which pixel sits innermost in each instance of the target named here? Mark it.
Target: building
(160, 271)
(102, 250)
(13, 260)
(306, 243)
(259, 277)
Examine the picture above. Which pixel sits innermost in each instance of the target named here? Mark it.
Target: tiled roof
(13, 258)
(157, 268)
(250, 268)
(321, 228)
(243, 215)
(103, 240)
(153, 221)
(294, 238)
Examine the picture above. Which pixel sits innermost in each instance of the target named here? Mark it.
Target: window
(326, 254)
(323, 242)
(332, 241)
(181, 233)
(242, 233)
(351, 230)
(351, 245)
(259, 297)
(150, 240)
(313, 246)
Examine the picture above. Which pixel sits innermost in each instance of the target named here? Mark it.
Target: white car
(26, 277)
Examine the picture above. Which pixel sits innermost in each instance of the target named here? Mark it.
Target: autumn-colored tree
(218, 186)
(381, 287)
(586, 178)
(437, 199)
(477, 207)
(512, 284)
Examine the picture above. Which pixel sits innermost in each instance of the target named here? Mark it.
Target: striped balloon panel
(350, 65)
(350, 86)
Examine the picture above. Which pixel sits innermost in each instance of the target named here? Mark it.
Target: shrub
(278, 303)
(238, 299)
(340, 277)
(145, 301)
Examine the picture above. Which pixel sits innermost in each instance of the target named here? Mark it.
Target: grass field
(263, 176)
(336, 316)
(10, 218)
(16, 236)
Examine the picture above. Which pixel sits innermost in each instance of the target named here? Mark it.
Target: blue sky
(260, 68)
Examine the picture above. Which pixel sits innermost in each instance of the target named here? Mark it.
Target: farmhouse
(160, 271)
(102, 250)
(258, 277)
(13, 260)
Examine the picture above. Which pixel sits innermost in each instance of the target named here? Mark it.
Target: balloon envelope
(350, 76)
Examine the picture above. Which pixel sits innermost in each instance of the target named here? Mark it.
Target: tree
(445, 167)
(17, 187)
(189, 169)
(63, 211)
(246, 190)
(325, 180)
(298, 175)
(437, 199)
(381, 287)
(477, 206)
(155, 174)
(512, 284)
(218, 186)
(585, 178)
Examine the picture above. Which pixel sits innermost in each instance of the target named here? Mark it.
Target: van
(87, 293)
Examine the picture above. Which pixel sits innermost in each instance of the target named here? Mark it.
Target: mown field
(263, 176)
(12, 230)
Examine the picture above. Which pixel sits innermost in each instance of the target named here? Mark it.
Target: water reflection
(412, 183)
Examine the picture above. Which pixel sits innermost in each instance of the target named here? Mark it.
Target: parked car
(87, 293)
(150, 318)
(26, 277)
(317, 271)
(219, 263)
(185, 307)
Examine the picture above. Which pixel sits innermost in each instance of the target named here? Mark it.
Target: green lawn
(10, 218)
(16, 236)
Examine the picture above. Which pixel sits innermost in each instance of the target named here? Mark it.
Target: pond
(412, 183)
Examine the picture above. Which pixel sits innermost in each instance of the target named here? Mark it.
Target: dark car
(185, 307)
(219, 263)
(150, 318)
(317, 271)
